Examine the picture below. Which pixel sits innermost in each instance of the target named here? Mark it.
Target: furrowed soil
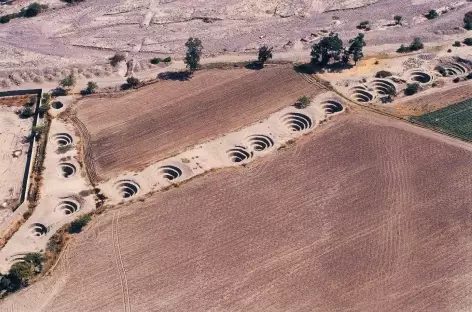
(132, 131)
(367, 214)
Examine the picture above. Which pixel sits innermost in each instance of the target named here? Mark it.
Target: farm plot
(348, 219)
(131, 131)
(455, 119)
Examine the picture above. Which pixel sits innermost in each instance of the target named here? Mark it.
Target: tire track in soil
(119, 262)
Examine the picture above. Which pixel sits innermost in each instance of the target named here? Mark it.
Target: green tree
(432, 14)
(328, 48)
(356, 46)
(5, 19)
(468, 41)
(398, 19)
(32, 10)
(468, 20)
(91, 87)
(416, 45)
(68, 82)
(265, 53)
(412, 88)
(303, 102)
(77, 225)
(194, 52)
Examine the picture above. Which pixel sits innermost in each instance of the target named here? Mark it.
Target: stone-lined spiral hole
(57, 105)
(68, 206)
(238, 154)
(260, 142)
(63, 139)
(37, 230)
(127, 188)
(297, 121)
(383, 87)
(361, 95)
(170, 172)
(454, 69)
(332, 107)
(67, 170)
(421, 77)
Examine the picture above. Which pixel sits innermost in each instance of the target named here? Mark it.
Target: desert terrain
(80, 38)
(131, 131)
(349, 219)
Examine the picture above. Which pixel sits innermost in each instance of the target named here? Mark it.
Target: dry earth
(368, 215)
(80, 38)
(132, 131)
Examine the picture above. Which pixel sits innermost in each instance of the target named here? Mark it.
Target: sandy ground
(80, 38)
(130, 132)
(352, 220)
(13, 152)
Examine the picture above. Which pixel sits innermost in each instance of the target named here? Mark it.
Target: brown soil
(134, 130)
(17, 100)
(367, 215)
(433, 99)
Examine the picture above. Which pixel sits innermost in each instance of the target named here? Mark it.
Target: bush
(456, 44)
(264, 54)
(77, 225)
(412, 88)
(398, 19)
(456, 80)
(468, 20)
(403, 49)
(383, 74)
(32, 10)
(364, 25)
(69, 81)
(432, 14)
(91, 87)
(26, 112)
(416, 45)
(167, 59)
(155, 60)
(468, 41)
(5, 19)
(132, 81)
(303, 102)
(115, 59)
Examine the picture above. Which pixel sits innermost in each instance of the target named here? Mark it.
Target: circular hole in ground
(297, 121)
(421, 77)
(170, 172)
(127, 188)
(68, 206)
(332, 107)
(238, 154)
(63, 139)
(66, 169)
(260, 142)
(38, 229)
(383, 87)
(362, 96)
(57, 105)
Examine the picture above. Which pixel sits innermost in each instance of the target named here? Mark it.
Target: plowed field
(132, 131)
(366, 215)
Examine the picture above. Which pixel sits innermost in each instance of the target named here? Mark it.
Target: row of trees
(331, 49)
(30, 11)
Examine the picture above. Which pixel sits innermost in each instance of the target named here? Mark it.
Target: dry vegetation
(134, 130)
(349, 219)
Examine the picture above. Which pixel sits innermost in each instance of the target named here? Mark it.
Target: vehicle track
(119, 262)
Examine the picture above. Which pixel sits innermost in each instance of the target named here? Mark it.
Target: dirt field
(432, 100)
(349, 219)
(132, 131)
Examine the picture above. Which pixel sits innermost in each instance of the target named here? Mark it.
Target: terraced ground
(367, 214)
(157, 121)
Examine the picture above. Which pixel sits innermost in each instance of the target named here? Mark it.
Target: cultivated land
(368, 214)
(455, 119)
(132, 131)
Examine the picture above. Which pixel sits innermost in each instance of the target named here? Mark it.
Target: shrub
(456, 80)
(5, 19)
(416, 45)
(69, 81)
(383, 74)
(398, 19)
(77, 225)
(468, 20)
(85, 193)
(132, 81)
(441, 70)
(26, 112)
(303, 102)
(264, 54)
(115, 59)
(167, 59)
(412, 88)
(155, 60)
(91, 87)
(432, 14)
(403, 49)
(32, 10)
(364, 25)
(456, 44)
(468, 41)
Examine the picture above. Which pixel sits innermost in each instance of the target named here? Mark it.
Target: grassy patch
(455, 119)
